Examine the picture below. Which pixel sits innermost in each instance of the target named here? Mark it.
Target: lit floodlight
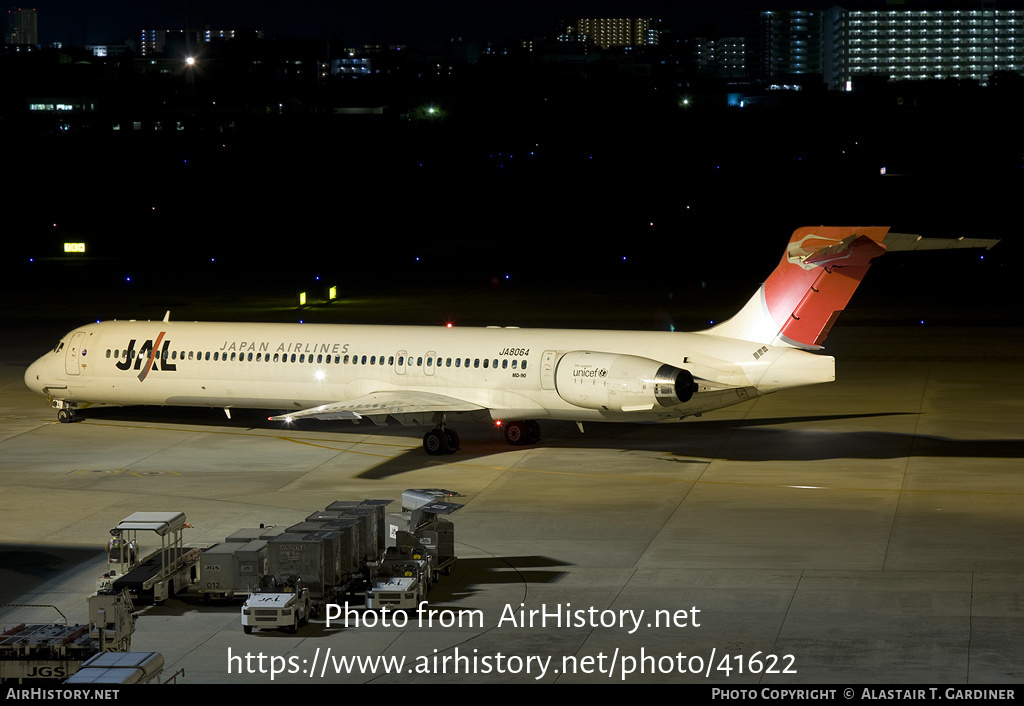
(190, 61)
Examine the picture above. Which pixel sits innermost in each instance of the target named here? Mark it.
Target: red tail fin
(816, 277)
(809, 288)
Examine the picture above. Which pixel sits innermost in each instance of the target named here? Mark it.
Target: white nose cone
(34, 376)
(795, 367)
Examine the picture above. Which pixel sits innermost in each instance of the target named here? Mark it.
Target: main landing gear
(441, 440)
(522, 433)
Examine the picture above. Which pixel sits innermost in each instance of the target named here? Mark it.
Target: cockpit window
(58, 347)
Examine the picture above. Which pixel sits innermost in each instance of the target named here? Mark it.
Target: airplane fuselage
(511, 373)
(416, 374)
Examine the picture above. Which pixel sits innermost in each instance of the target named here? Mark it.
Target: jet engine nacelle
(620, 383)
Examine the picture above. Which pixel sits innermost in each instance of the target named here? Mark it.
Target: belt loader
(159, 575)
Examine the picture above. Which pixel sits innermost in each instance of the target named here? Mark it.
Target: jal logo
(149, 357)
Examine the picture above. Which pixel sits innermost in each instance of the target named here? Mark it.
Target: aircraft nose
(34, 376)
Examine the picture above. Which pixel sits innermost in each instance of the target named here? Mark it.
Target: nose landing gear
(66, 414)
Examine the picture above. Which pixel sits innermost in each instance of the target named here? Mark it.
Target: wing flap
(382, 403)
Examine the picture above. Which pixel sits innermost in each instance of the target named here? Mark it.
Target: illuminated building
(788, 42)
(896, 43)
(22, 27)
(621, 32)
(725, 56)
(904, 44)
(153, 42)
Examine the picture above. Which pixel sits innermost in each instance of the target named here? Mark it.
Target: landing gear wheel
(532, 431)
(435, 442)
(453, 440)
(522, 433)
(516, 433)
(66, 415)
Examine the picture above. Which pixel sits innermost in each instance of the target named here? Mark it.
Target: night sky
(580, 203)
(95, 21)
(400, 21)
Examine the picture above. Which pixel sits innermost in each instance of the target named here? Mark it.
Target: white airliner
(513, 376)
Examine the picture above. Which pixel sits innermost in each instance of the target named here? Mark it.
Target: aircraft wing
(383, 403)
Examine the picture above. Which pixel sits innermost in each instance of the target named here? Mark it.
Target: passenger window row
(321, 359)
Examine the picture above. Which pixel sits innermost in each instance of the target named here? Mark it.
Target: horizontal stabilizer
(898, 242)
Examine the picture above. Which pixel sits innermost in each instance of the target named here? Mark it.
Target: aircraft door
(400, 362)
(547, 370)
(429, 362)
(73, 353)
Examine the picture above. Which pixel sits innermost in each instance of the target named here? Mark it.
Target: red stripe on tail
(816, 277)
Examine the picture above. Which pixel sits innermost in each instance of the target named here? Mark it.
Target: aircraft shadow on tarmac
(696, 441)
(733, 440)
(28, 567)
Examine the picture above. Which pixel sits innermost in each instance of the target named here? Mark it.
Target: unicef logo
(602, 373)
